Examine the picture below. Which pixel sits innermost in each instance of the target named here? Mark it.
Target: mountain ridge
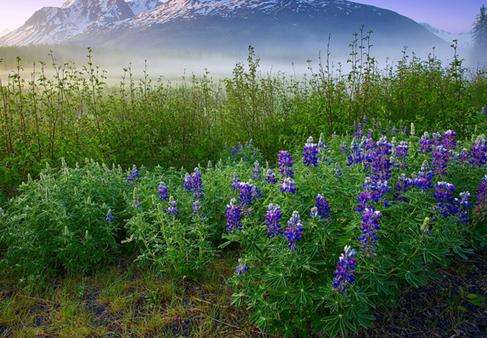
(219, 25)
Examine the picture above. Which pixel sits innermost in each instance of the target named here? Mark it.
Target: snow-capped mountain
(140, 6)
(465, 39)
(51, 25)
(275, 26)
(4, 32)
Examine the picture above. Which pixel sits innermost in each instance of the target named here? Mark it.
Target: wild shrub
(70, 220)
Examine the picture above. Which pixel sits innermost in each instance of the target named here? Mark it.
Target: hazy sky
(451, 15)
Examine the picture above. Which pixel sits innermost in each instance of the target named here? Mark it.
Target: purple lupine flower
(235, 182)
(188, 182)
(234, 216)
(322, 206)
(369, 227)
(109, 217)
(256, 171)
(478, 152)
(196, 206)
(197, 183)
(288, 185)
(163, 191)
(424, 178)
(134, 174)
(193, 183)
(383, 146)
(463, 156)
(356, 155)
(241, 269)
(310, 153)
(285, 163)
(464, 205)
(368, 142)
(374, 191)
(449, 140)
(172, 209)
(248, 193)
(404, 183)
(270, 176)
(272, 220)
(401, 150)
(437, 139)
(440, 158)
(344, 275)
(425, 143)
(294, 230)
(444, 192)
(445, 199)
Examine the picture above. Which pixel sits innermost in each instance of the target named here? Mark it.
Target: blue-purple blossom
(356, 155)
(425, 143)
(374, 191)
(344, 275)
(109, 217)
(464, 205)
(233, 215)
(256, 171)
(163, 191)
(241, 269)
(235, 182)
(440, 158)
(310, 153)
(369, 227)
(478, 152)
(294, 230)
(248, 193)
(273, 220)
(449, 140)
(134, 174)
(424, 178)
(463, 156)
(270, 176)
(288, 185)
(445, 199)
(401, 150)
(172, 209)
(403, 183)
(193, 183)
(322, 206)
(285, 163)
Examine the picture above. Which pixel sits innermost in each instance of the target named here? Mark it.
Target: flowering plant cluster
(311, 235)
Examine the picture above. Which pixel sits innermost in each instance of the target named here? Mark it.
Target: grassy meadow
(332, 203)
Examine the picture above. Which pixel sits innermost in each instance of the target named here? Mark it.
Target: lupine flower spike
(344, 275)
(234, 216)
(294, 230)
(310, 153)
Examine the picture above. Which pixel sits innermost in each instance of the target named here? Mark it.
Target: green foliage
(67, 111)
(176, 244)
(57, 223)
